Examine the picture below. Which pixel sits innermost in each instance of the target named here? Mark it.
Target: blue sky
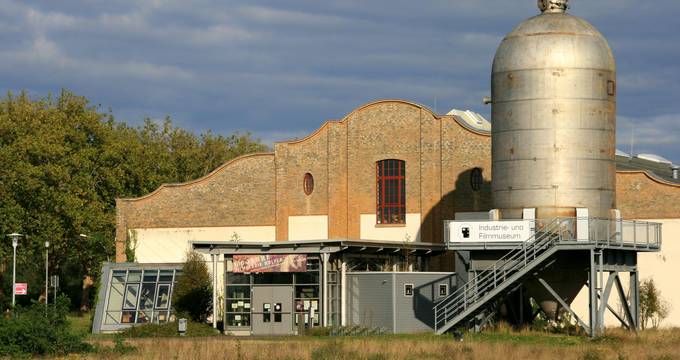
(280, 68)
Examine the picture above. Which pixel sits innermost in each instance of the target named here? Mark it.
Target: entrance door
(272, 310)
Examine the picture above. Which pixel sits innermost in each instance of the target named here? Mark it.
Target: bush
(653, 308)
(194, 329)
(193, 292)
(34, 331)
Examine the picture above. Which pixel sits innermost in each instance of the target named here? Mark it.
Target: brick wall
(640, 196)
(239, 193)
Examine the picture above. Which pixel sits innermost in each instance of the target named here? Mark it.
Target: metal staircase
(473, 299)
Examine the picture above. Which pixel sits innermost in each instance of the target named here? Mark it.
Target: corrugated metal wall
(377, 299)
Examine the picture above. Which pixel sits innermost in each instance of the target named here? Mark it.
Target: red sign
(20, 288)
(269, 263)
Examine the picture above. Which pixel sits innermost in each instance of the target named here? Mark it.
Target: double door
(272, 312)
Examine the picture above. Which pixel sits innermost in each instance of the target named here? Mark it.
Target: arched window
(391, 192)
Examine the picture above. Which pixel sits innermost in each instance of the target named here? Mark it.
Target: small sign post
(21, 288)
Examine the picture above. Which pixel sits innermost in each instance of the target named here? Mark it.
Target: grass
(80, 324)
(500, 344)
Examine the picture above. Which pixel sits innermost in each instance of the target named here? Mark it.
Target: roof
(319, 246)
(660, 170)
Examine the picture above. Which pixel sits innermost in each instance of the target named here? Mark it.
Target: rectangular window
(163, 297)
(131, 292)
(408, 290)
(443, 290)
(391, 192)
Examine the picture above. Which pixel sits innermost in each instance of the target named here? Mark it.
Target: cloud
(279, 69)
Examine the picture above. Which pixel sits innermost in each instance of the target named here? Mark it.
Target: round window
(308, 183)
(476, 179)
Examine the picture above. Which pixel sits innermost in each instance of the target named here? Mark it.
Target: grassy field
(503, 344)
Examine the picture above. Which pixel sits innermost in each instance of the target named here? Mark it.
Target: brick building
(380, 181)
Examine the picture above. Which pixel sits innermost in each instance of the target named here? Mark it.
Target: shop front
(269, 294)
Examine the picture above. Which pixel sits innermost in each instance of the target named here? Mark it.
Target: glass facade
(239, 286)
(137, 296)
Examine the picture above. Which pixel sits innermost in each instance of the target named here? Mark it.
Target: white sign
(490, 231)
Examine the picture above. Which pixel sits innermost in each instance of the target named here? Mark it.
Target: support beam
(592, 295)
(635, 297)
(617, 316)
(626, 307)
(564, 305)
(604, 301)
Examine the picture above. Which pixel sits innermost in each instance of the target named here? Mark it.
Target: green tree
(193, 293)
(653, 308)
(64, 162)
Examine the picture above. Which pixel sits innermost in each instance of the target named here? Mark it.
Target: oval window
(308, 184)
(476, 179)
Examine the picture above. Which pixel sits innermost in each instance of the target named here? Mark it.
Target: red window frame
(390, 191)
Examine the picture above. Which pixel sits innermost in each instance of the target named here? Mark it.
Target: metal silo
(554, 117)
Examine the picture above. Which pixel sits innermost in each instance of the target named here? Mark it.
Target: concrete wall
(171, 244)
(371, 230)
(308, 227)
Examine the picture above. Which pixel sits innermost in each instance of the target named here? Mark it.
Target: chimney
(675, 169)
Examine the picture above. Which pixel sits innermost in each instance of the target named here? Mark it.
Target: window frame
(390, 178)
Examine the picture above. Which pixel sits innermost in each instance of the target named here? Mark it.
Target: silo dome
(554, 117)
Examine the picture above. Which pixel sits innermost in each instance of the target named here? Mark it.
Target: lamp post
(108, 258)
(47, 272)
(15, 241)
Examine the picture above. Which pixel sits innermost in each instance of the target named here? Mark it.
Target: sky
(279, 69)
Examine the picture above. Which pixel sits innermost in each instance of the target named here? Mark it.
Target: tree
(64, 162)
(653, 308)
(193, 293)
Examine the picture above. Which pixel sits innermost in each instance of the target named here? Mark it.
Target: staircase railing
(600, 232)
(483, 282)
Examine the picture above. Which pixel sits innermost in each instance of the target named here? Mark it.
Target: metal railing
(594, 231)
(623, 233)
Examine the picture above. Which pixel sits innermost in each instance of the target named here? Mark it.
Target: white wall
(308, 227)
(408, 232)
(663, 267)
(169, 245)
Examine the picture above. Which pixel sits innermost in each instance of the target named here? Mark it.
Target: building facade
(368, 193)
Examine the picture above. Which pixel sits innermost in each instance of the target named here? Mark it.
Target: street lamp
(15, 241)
(108, 259)
(47, 272)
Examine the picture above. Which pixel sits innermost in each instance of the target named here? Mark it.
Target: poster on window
(270, 263)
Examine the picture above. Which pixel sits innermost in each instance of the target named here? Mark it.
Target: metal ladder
(469, 300)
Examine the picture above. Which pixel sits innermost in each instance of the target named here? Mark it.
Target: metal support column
(592, 295)
(343, 293)
(324, 289)
(635, 298)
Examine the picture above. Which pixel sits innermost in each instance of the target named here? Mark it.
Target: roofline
(651, 175)
(384, 101)
(199, 180)
(313, 246)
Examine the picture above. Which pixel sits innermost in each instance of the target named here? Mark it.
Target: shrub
(653, 308)
(193, 292)
(194, 329)
(35, 331)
